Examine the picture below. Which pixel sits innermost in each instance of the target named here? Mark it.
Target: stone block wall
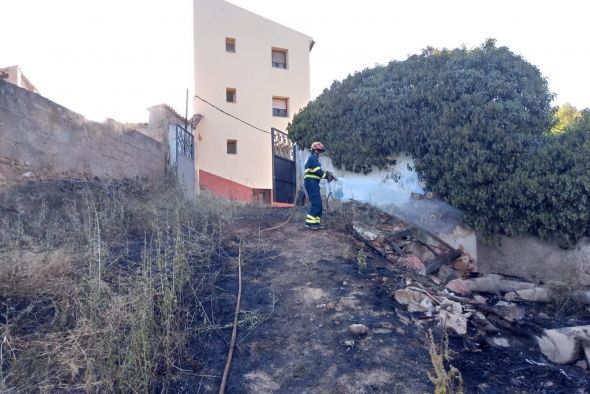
(40, 139)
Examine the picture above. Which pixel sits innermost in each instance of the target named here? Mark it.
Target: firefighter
(313, 174)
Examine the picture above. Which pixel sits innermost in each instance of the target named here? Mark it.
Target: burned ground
(302, 290)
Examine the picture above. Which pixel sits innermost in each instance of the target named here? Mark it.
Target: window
(232, 147)
(279, 106)
(230, 44)
(230, 95)
(279, 58)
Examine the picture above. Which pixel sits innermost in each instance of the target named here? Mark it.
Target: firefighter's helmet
(318, 146)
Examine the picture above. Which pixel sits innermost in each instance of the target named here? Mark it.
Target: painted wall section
(224, 187)
(391, 190)
(380, 188)
(249, 71)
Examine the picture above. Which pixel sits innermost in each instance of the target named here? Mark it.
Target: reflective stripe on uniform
(312, 169)
(312, 219)
(311, 176)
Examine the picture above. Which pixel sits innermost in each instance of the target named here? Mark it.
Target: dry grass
(99, 282)
(446, 378)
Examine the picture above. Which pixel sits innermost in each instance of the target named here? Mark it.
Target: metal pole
(272, 159)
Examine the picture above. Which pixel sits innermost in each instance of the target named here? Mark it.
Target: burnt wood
(442, 260)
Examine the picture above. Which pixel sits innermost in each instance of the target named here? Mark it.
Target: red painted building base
(224, 187)
(234, 191)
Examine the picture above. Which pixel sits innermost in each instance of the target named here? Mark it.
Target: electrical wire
(233, 116)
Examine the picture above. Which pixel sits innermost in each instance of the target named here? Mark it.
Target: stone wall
(535, 260)
(40, 139)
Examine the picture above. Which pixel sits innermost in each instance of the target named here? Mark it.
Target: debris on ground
(358, 329)
(490, 283)
(442, 288)
(565, 345)
(409, 246)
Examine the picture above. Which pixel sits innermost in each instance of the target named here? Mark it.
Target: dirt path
(304, 293)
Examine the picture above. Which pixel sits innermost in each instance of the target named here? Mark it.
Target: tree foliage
(564, 116)
(477, 123)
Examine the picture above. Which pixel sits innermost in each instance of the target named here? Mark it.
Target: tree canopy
(477, 122)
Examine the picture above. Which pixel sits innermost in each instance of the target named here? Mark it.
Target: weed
(361, 259)
(100, 283)
(446, 378)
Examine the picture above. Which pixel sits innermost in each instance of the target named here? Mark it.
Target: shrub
(477, 122)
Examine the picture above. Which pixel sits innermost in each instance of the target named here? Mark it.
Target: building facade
(14, 75)
(254, 71)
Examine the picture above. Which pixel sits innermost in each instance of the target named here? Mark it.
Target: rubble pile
(442, 288)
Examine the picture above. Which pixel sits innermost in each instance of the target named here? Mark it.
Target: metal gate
(182, 157)
(283, 168)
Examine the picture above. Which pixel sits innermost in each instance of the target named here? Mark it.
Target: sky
(115, 58)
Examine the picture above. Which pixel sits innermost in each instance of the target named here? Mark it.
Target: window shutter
(279, 103)
(279, 57)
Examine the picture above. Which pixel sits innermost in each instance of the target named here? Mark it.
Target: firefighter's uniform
(313, 174)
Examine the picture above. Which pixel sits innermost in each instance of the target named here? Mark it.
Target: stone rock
(581, 364)
(481, 320)
(415, 300)
(358, 329)
(446, 274)
(457, 323)
(462, 264)
(413, 263)
(458, 286)
(450, 316)
(490, 283)
(482, 300)
(509, 310)
(536, 294)
(28, 174)
(349, 343)
(500, 342)
(366, 232)
(564, 345)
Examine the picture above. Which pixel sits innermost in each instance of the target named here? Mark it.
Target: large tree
(471, 118)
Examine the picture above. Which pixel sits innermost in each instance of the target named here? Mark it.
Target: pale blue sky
(114, 58)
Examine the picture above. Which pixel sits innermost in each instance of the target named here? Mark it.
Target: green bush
(477, 122)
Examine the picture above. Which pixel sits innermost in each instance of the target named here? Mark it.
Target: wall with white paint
(391, 190)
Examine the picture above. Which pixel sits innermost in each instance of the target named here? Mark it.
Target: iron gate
(283, 168)
(182, 157)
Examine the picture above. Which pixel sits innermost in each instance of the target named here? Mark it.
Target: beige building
(252, 69)
(14, 75)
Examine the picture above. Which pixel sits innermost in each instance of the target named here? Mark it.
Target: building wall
(392, 189)
(16, 77)
(534, 259)
(40, 139)
(250, 72)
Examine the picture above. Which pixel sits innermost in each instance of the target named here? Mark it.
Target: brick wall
(40, 139)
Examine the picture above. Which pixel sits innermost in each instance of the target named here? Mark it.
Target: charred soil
(302, 289)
